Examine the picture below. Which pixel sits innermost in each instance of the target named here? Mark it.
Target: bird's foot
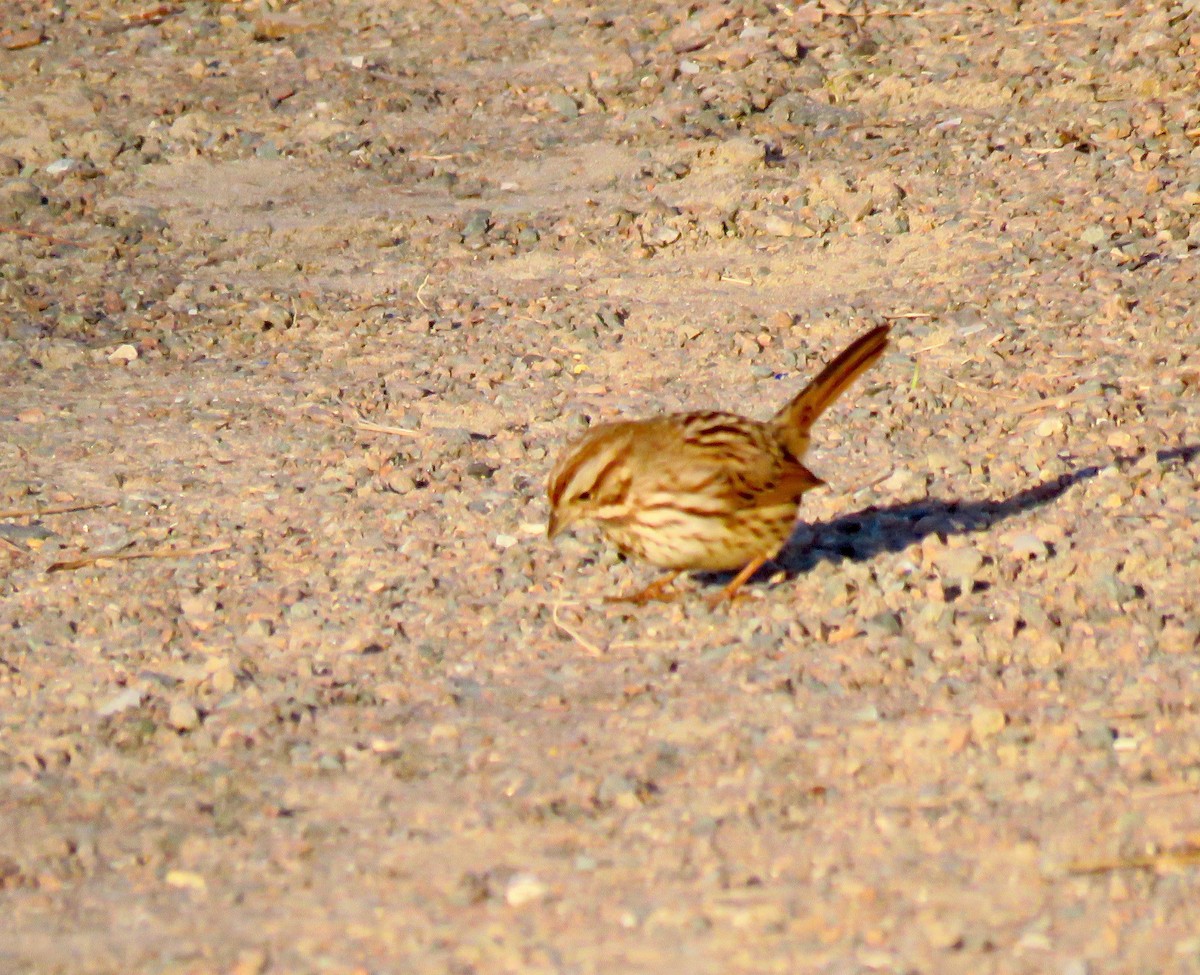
(732, 591)
(657, 591)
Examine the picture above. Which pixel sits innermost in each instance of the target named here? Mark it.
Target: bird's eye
(584, 496)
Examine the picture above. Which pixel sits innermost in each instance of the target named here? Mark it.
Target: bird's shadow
(892, 528)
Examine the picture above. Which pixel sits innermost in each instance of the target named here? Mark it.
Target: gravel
(297, 307)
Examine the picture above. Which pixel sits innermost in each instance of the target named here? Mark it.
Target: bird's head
(590, 480)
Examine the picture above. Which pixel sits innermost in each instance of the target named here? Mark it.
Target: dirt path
(296, 309)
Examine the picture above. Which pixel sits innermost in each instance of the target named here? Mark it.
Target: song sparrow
(705, 490)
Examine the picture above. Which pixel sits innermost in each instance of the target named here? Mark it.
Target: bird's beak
(554, 526)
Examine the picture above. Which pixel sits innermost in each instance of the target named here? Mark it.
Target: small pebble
(183, 716)
(523, 889)
(987, 722)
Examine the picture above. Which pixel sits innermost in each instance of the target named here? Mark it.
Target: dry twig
(142, 18)
(1187, 856)
(574, 634)
(370, 426)
(60, 510)
(157, 553)
(37, 235)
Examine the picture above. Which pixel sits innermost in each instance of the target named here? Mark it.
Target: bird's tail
(793, 422)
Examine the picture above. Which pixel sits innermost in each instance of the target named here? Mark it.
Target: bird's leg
(657, 590)
(730, 591)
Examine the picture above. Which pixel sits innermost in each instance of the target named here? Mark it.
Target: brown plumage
(704, 490)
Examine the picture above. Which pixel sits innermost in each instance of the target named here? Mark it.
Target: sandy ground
(299, 303)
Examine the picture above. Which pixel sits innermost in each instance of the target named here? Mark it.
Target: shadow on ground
(863, 535)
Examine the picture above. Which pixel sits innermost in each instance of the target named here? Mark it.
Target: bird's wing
(726, 454)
